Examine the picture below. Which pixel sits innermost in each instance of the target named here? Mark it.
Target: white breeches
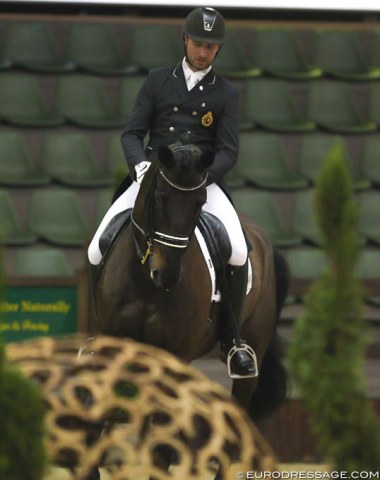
(217, 204)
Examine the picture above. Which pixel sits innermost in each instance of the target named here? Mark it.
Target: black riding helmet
(205, 24)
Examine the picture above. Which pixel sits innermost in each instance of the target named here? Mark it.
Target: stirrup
(85, 347)
(245, 348)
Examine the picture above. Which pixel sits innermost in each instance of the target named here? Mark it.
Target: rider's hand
(141, 169)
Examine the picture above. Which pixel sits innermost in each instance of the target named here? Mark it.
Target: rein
(172, 241)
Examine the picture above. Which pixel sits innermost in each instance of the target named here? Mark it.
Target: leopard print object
(126, 406)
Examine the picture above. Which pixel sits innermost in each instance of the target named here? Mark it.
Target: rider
(192, 97)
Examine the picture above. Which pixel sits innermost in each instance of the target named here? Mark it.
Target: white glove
(141, 169)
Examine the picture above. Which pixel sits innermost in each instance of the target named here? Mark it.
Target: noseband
(163, 238)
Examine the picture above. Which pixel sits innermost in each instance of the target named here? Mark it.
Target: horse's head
(174, 192)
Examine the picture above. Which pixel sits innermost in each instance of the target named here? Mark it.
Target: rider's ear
(207, 159)
(165, 155)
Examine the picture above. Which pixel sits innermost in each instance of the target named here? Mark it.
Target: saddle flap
(112, 230)
(216, 238)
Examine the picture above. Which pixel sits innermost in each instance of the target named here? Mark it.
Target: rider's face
(200, 55)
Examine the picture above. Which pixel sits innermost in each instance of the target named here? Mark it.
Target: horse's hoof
(93, 475)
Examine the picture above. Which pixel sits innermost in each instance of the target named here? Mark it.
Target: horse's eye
(161, 200)
(161, 196)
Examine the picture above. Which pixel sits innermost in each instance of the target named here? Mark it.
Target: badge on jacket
(207, 119)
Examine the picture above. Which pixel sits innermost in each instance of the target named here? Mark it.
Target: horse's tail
(272, 386)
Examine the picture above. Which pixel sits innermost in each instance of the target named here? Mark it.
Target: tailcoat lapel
(207, 84)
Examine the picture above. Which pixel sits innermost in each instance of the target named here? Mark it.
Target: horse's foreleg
(162, 457)
(242, 391)
(93, 475)
(263, 396)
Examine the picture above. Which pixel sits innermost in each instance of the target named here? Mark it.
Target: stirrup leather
(245, 348)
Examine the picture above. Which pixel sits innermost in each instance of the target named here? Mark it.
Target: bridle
(173, 241)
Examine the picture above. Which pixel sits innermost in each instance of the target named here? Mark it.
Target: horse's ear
(165, 156)
(207, 158)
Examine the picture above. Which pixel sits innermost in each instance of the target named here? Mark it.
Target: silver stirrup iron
(85, 347)
(243, 348)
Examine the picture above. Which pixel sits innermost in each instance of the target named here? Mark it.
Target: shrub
(22, 455)
(328, 349)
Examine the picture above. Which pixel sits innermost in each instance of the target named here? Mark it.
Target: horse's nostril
(154, 274)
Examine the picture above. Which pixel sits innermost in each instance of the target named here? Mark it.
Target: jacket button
(171, 129)
(175, 109)
(195, 113)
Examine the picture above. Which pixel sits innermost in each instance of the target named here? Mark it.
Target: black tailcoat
(166, 109)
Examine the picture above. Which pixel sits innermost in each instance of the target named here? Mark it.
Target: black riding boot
(240, 358)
